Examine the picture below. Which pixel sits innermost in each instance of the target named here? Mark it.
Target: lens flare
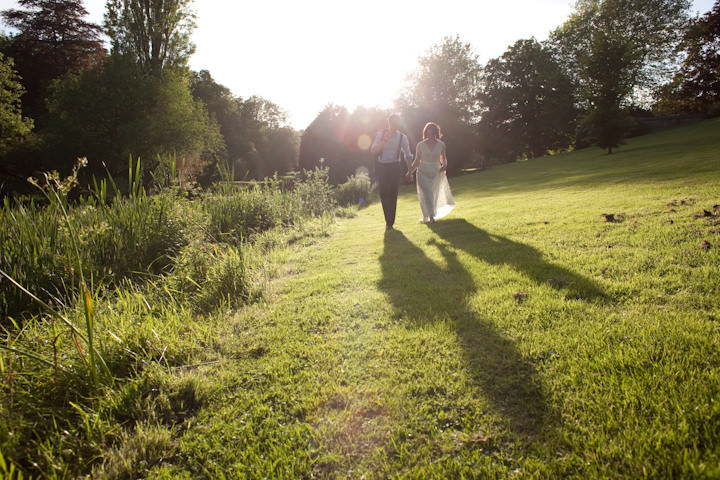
(364, 142)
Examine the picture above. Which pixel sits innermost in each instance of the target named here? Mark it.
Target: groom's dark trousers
(388, 175)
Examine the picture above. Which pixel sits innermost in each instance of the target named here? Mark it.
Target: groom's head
(394, 121)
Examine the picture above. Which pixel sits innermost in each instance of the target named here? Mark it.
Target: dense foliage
(154, 33)
(122, 237)
(110, 114)
(616, 51)
(258, 141)
(53, 39)
(527, 107)
(696, 87)
(140, 101)
(13, 125)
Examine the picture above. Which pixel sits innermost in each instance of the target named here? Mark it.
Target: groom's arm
(378, 144)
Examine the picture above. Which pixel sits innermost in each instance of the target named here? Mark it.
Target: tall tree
(155, 33)
(13, 126)
(527, 103)
(53, 40)
(444, 90)
(617, 51)
(696, 88)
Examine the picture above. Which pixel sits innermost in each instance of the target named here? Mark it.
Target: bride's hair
(432, 130)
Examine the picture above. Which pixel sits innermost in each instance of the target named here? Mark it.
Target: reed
(103, 290)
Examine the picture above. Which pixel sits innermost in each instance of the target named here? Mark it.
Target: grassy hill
(523, 336)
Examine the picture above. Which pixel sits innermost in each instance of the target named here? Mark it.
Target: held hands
(410, 173)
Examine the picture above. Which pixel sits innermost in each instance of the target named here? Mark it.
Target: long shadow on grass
(497, 250)
(422, 291)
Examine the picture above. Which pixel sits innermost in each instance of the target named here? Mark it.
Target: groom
(386, 148)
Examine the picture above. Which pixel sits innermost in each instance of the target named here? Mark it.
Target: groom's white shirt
(389, 153)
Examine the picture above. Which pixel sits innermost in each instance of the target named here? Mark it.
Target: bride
(433, 188)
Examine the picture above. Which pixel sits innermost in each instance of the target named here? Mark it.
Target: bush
(314, 191)
(355, 191)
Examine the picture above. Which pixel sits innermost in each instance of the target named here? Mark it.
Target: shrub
(237, 214)
(314, 192)
(355, 191)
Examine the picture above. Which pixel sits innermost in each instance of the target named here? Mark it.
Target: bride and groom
(429, 161)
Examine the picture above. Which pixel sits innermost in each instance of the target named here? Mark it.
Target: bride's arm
(416, 162)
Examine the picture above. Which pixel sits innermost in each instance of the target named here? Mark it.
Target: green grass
(521, 337)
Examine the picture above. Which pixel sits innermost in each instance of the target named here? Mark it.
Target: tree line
(64, 95)
(611, 62)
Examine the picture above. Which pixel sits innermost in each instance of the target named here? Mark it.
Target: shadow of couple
(422, 291)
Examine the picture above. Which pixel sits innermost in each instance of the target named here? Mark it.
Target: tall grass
(314, 192)
(144, 274)
(241, 213)
(206, 276)
(236, 216)
(48, 247)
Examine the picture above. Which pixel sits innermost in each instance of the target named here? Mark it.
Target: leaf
(89, 308)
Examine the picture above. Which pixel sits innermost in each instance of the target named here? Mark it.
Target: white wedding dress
(436, 200)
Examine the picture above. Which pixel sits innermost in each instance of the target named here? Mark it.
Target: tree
(272, 144)
(696, 87)
(341, 141)
(156, 33)
(610, 83)
(53, 40)
(322, 142)
(259, 141)
(5, 42)
(110, 114)
(444, 90)
(527, 103)
(617, 51)
(13, 126)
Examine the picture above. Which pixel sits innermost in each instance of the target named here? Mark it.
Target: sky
(304, 55)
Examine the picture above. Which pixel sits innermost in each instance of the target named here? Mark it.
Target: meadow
(562, 322)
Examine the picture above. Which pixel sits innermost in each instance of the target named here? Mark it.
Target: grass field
(523, 336)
